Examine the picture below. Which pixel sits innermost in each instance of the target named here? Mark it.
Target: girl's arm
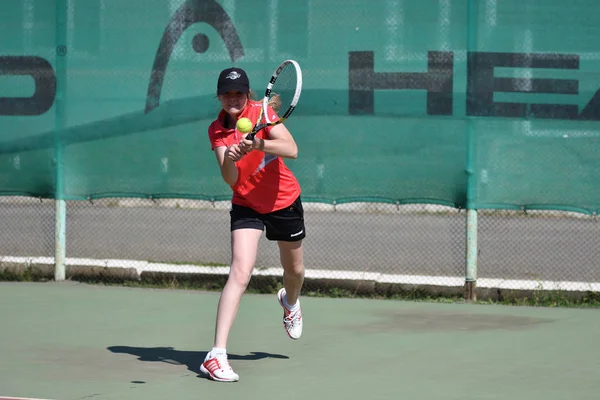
(226, 158)
(280, 143)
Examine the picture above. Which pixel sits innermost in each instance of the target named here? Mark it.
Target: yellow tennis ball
(244, 125)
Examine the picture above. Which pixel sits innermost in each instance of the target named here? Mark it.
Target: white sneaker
(292, 320)
(217, 368)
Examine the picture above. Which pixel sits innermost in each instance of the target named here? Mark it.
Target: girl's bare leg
(244, 246)
(292, 261)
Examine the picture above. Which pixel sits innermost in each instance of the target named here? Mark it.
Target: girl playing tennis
(266, 196)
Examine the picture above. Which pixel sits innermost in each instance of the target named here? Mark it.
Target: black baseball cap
(233, 79)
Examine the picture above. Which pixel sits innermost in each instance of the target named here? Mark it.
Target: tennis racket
(283, 93)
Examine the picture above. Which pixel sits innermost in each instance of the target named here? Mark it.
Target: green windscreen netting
(495, 101)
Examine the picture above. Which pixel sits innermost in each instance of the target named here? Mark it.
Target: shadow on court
(191, 359)
(70, 341)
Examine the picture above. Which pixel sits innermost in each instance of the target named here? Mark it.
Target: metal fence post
(59, 125)
(471, 234)
(471, 259)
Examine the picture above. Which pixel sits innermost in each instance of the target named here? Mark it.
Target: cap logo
(233, 75)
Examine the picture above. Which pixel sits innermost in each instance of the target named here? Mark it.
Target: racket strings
(283, 90)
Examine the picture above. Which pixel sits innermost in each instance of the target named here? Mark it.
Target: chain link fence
(355, 248)
(541, 250)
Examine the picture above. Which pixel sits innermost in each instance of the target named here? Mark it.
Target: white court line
(19, 398)
(448, 281)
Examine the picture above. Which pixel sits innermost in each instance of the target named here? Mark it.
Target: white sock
(291, 308)
(217, 350)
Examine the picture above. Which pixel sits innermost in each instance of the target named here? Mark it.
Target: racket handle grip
(250, 136)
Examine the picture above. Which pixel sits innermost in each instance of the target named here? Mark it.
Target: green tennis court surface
(76, 341)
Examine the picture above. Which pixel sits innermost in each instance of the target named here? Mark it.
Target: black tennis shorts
(286, 224)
